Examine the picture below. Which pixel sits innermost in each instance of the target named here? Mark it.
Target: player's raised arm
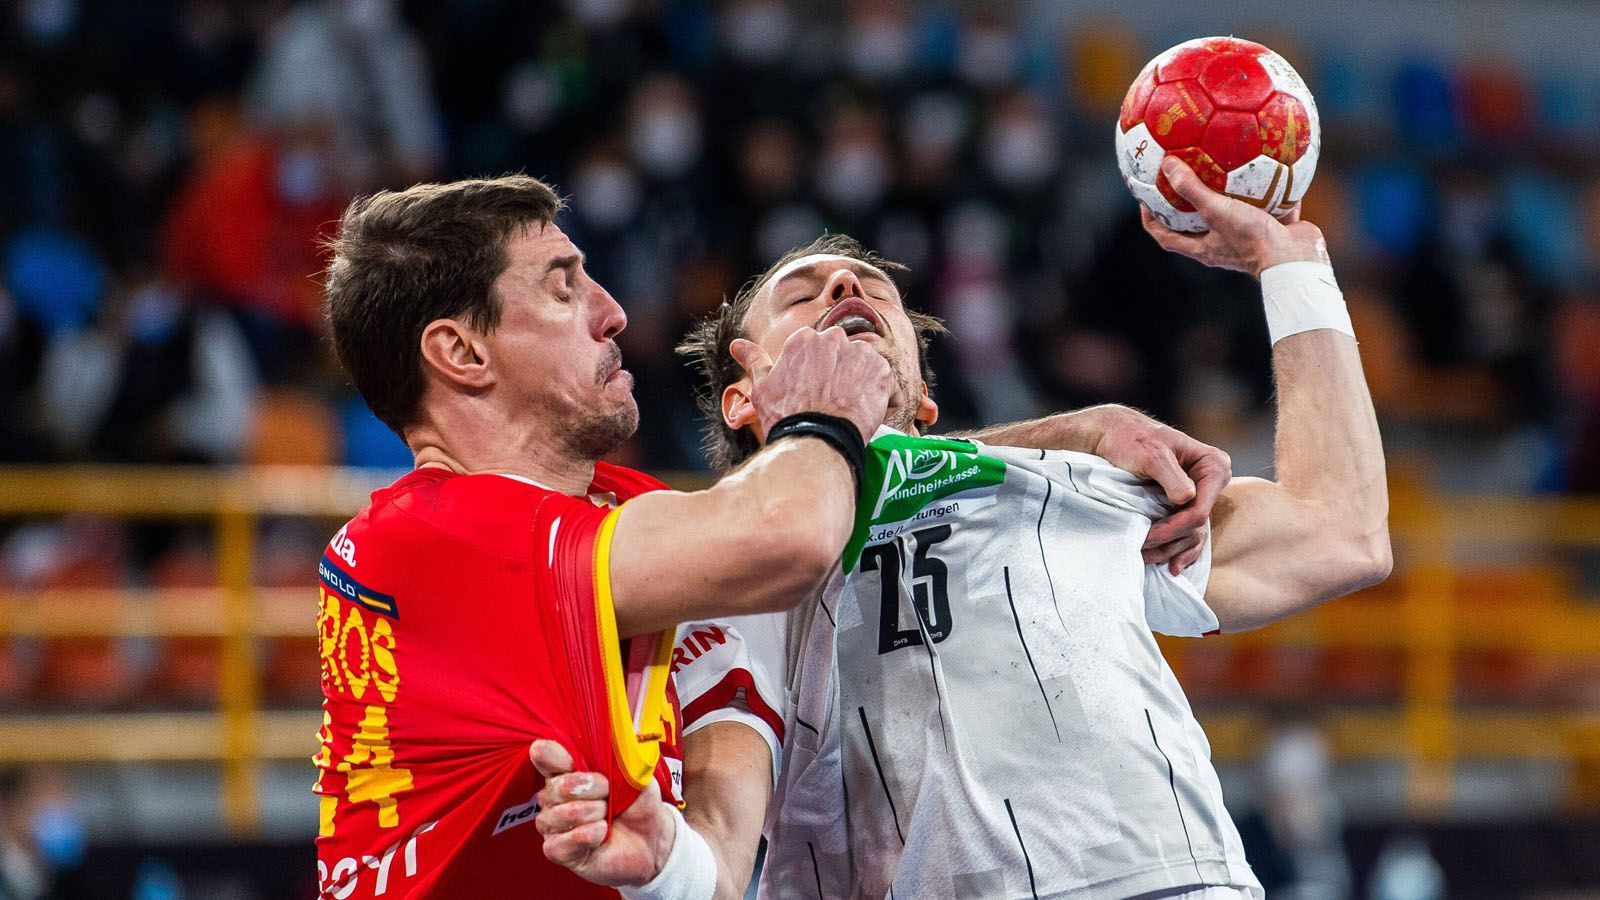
(1320, 530)
(763, 537)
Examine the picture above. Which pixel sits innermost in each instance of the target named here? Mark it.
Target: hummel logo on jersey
(343, 547)
(521, 814)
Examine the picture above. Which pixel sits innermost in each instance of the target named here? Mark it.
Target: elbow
(1369, 559)
(1379, 560)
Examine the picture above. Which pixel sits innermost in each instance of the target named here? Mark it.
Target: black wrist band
(841, 434)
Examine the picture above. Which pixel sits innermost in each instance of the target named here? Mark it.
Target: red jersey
(463, 617)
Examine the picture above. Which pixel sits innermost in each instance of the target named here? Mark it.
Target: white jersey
(976, 706)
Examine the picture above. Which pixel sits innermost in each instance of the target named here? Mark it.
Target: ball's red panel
(1285, 128)
(1138, 98)
(1232, 139)
(1204, 166)
(1236, 81)
(1235, 45)
(1177, 114)
(1186, 63)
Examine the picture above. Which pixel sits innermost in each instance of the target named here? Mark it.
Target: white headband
(804, 261)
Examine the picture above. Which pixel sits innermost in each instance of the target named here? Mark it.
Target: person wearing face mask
(664, 128)
(974, 705)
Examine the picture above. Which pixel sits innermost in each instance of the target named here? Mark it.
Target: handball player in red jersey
(512, 587)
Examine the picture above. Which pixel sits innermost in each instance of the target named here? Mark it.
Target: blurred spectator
(354, 68)
(1293, 836)
(160, 208)
(42, 836)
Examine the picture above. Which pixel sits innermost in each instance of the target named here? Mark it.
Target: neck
(543, 461)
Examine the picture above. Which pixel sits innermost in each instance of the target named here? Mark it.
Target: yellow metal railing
(1427, 728)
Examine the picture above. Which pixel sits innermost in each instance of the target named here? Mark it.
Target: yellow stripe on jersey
(637, 752)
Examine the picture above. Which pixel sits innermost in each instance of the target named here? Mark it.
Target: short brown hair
(708, 342)
(405, 258)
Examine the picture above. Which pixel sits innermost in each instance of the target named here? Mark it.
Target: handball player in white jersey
(975, 705)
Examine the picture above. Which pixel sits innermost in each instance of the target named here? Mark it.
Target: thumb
(1189, 186)
(750, 357)
(645, 803)
(550, 758)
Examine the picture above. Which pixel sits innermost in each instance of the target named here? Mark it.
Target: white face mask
(935, 123)
(759, 31)
(531, 96)
(975, 234)
(1021, 153)
(852, 177)
(665, 142)
(608, 194)
(598, 13)
(987, 56)
(370, 15)
(302, 176)
(785, 228)
(879, 50)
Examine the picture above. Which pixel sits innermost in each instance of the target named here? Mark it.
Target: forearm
(1328, 449)
(1080, 430)
(1321, 529)
(758, 540)
(727, 783)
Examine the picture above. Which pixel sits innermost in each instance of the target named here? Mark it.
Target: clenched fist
(818, 371)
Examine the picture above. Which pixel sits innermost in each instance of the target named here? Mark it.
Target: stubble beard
(905, 417)
(592, 434)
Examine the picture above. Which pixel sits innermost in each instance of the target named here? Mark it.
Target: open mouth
(855, 316)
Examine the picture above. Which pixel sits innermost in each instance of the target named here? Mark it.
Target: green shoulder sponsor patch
(912, 479)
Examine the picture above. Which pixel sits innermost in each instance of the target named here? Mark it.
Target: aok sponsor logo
(906, 476)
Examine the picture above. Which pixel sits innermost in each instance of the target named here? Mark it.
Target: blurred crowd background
(168, 168)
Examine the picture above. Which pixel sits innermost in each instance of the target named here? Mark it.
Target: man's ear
(927, 410)
(737, 410)
(455, 352)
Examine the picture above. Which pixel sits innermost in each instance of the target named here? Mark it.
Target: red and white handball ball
(1236, 112)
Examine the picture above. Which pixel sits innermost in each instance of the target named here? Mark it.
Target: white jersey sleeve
(732, 670)
(1174, 604)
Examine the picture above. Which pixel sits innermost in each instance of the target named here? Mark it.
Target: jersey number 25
(930, 589)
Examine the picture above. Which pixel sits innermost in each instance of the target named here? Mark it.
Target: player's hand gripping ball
(1236, 112)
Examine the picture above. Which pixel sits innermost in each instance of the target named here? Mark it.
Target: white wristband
(1303, 296)
(689, 874)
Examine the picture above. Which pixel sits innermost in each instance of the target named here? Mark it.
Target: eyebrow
(862, 270)
(570, 261)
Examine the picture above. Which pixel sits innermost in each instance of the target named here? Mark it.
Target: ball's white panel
(1138, 154)
(1304, 169)
(1259, 179)
(1151, 197)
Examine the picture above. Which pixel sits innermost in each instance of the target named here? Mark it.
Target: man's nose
(843, 285)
